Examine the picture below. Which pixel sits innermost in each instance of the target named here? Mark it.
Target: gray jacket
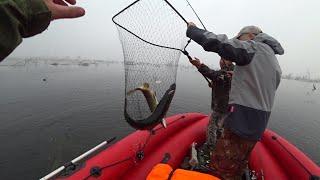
(256, 78)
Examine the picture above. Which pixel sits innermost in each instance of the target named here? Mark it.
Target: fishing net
(152, 34)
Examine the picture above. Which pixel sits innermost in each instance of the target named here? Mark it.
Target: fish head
(146, 85)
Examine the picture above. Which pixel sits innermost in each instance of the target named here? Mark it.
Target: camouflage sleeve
(20, 19)
(207, 72)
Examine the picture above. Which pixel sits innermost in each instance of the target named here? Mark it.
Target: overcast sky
(295, 23)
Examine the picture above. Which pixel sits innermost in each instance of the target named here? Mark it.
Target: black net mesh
(152, 36)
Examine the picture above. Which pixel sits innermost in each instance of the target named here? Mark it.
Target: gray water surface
(50, 114)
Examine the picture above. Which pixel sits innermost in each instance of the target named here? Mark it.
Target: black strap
(170, 175)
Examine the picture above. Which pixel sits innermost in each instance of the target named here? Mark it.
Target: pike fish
(151, 98)
(149, 94)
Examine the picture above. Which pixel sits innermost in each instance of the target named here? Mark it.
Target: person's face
(247, 37)
(224, 63)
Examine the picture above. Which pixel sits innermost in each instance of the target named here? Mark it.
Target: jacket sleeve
(20, 19)
(207, 72)
(240, 52)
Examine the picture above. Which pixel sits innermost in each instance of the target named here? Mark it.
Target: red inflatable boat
(134, 156)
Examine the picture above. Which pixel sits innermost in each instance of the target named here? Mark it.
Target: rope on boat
(151, 132)
(96, 171)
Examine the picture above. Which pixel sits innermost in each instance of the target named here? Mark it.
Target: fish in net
(152, 34)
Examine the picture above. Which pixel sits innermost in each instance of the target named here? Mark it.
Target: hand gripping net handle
(184, 51)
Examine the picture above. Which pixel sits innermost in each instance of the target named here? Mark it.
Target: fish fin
(164, 123)
(155, 97)
(171, 92)
(193, 156)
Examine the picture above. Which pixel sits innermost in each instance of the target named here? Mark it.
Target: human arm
(25, 18)
(240, 52)
(203, 69)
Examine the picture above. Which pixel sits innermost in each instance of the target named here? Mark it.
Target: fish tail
(132, 91)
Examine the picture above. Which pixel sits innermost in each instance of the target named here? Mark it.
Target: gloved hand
(196, 62)
(191, 24)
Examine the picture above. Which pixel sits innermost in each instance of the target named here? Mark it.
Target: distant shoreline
(303, 78)
(15, 61)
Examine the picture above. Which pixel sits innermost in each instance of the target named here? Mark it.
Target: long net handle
(184, 51)
(190, 59)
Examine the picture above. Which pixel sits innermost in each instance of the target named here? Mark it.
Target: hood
(273, 43)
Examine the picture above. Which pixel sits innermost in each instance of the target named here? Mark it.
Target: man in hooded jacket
(257, 75)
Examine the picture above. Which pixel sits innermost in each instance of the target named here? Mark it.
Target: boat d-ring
(140, 155)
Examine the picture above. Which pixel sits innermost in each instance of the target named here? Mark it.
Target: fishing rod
(196, 15)
(80, 158)
(209, 83)
(200, 21)
(185, 52)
